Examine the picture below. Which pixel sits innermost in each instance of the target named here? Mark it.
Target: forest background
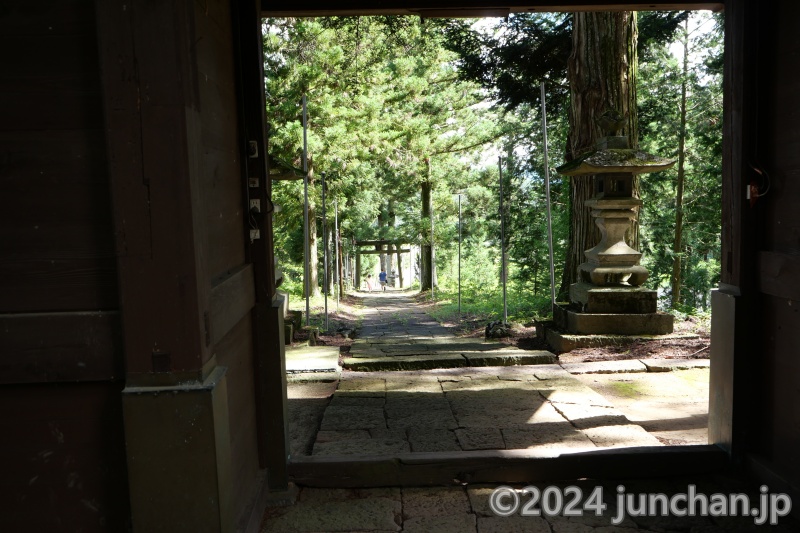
(403, 112)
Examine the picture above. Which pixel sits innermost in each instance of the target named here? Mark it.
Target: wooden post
(268, 333)
(358, 270)
(175, 391)
(399, 267)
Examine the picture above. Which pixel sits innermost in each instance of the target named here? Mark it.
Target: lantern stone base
(572, 321)
(613, 299)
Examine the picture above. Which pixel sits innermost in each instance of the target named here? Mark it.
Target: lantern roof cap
(629, 160)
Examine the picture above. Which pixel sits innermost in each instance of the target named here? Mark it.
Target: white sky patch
(700, 22)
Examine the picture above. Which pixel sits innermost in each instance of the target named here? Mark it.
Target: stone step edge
(467, 359)
(632, 366)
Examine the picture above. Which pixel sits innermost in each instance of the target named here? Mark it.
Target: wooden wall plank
(779, 275)
(60, 347)
(231, 299)
(45, 90)
(778, 399)
(58, 285)
(235, 352)
(66, 17)
(773, 382)
(221, 192)
(779, 147)
(224, 208)
(57, 240)
(52, 156)
(64, 469)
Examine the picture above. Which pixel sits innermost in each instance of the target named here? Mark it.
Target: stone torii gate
(379, 244)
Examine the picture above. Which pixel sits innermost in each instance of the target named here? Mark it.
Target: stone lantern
(608, 297)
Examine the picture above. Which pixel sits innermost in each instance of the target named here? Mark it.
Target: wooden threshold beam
(467, 8)
(504, 466)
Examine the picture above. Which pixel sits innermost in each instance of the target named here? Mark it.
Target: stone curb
(403, 362)
(453, 360)
(538, 357)
(605, 367)
(634, 366)
(668, 365)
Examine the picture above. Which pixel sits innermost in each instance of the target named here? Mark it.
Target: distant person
(382, 279)
(369, 282)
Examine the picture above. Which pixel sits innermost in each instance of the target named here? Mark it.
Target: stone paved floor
(491, 407)
(448, 409)
(398, 335)
(466, 509)
(515, 407)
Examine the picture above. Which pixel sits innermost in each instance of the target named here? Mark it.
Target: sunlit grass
(488, 306)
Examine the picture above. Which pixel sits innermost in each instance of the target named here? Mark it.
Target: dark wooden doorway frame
(728, 414)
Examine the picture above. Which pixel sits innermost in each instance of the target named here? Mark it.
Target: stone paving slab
(673, 406)
(433, 440)
(343, 512)
(361, 447)
(590, 416)
(434, 501)
(439, 419)
(512, 524)
(454, 523)
(346, 417)
(430, 360)
(454, 345)
(623, 435)
(376, 353)
(605, 367)
(313, 377)
(465, 509)
(480, 438)
(509, 357)
(547, 435)
(312, 359)
(307, 401)
(575, 395)
(408, 362)
(669, 365)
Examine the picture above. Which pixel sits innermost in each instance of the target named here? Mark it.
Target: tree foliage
(662, 76)
(384, 98)
(387, 95)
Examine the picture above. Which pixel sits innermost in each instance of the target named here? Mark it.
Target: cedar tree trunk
(602, 76)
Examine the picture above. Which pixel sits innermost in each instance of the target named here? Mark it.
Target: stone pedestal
(614, 299)
(576, 322)
(612, 261)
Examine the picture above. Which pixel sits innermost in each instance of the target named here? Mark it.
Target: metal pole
(433, 261)
(549, 213)
(336, 248)
(459, 255)
(324, 252)
(306, 251)
(503, 274)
